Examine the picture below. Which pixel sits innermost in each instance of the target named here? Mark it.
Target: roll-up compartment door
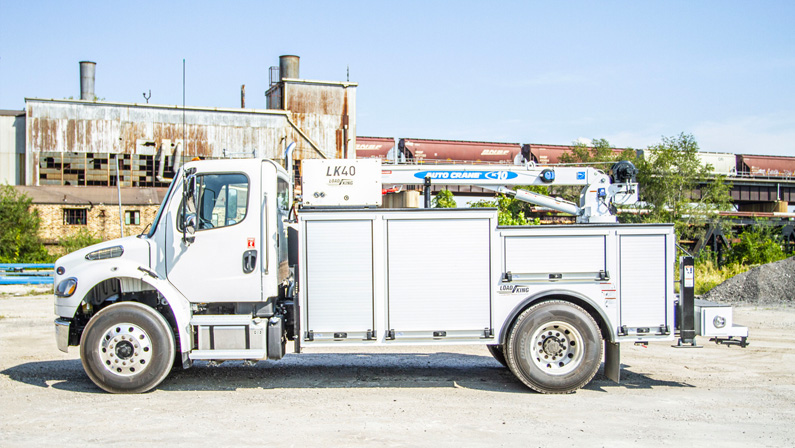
(536, 257)
(643, 283)
(439, 277)
(339, 271)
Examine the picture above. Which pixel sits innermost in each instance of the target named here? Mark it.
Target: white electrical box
(341, 182)
(715, 320)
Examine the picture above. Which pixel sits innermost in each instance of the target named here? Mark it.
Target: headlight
(66, 288)
(104, 254)
(719, 321)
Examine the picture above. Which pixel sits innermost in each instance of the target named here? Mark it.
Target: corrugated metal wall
(12, 147)
(324, 110)
(72, 142)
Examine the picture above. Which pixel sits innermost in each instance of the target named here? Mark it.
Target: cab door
(223, 262)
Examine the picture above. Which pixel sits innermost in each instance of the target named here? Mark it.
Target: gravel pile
(772, 283)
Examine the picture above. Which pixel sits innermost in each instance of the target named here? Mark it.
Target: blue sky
(525, 72)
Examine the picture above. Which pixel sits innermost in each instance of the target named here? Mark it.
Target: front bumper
(62, 327)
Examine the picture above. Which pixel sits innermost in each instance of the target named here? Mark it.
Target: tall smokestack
(288, 67)
(87, 69)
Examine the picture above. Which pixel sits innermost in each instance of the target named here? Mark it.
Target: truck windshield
(162, 207)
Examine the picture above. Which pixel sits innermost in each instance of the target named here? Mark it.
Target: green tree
(599, 154)
(19, 229)
(511, 211)
(444, 199)
(668, 175)
(758, 244)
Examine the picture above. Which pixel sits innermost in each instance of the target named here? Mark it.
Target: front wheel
(554, 347)
(127, 348)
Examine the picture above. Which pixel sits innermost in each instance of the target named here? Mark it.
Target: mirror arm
(187, 193)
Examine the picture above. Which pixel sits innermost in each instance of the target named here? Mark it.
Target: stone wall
(102, 221)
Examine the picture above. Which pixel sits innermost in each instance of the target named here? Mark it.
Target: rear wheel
(554, 347)
(127, 348)
(498, 354)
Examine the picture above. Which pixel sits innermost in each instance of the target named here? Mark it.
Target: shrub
(78, 240)
(19, 229)
(709, 276)
(444, 199)
(758, 244)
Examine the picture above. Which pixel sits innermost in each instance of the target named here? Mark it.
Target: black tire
(554, 347)
(498, 354)
(127, 348)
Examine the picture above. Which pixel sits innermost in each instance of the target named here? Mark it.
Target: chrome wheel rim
(125, 349)
(557, 348)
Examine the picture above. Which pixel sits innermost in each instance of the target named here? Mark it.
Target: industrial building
(12, 147)
(103, 144)
(77, 142)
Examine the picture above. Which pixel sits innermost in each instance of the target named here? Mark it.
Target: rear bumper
(62, 334)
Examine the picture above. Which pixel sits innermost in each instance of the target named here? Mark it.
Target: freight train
(415, 150)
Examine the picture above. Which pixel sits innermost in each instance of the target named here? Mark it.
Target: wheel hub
(553, 346)
(557, 348)
(125, 349)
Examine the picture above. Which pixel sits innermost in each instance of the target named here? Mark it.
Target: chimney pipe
(87, 80)
(288, 67)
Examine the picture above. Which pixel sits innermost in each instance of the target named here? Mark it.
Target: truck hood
(133, 249)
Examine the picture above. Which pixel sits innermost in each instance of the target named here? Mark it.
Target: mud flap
(275, 338)
(612, 361)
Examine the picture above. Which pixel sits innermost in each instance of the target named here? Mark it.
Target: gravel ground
(772, 283)
(713, 396)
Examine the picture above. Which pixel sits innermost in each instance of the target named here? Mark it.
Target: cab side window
(222, 200)
(283, 197)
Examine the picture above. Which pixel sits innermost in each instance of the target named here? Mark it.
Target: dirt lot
(714, 396)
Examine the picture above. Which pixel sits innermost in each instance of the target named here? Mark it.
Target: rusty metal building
(12, 147)
(78, 142)
(325, 110)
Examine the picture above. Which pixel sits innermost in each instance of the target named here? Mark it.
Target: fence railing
(26, 273)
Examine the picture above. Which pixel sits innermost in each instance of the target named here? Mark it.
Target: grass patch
(40, 292)
(709, 276)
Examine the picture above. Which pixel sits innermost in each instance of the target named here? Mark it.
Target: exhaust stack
(288, 67)
(87, 69)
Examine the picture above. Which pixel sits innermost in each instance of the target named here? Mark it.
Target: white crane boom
(597, 198)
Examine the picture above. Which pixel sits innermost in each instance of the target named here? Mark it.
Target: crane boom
(350, 183)
(597, 198)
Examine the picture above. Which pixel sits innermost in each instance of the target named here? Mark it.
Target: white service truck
(231, 271)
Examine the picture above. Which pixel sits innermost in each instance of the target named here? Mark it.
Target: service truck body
(217, 278)
(454, 276)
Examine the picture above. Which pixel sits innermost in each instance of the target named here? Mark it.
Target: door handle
(249, 261)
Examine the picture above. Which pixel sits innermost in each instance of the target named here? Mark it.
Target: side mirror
(231, 207)
(189, 206)
(190, 227)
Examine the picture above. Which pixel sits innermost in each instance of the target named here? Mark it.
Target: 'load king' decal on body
(514, 289)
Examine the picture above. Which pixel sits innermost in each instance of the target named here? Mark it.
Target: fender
(97, 272)
(180, 308)
(610, 336)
